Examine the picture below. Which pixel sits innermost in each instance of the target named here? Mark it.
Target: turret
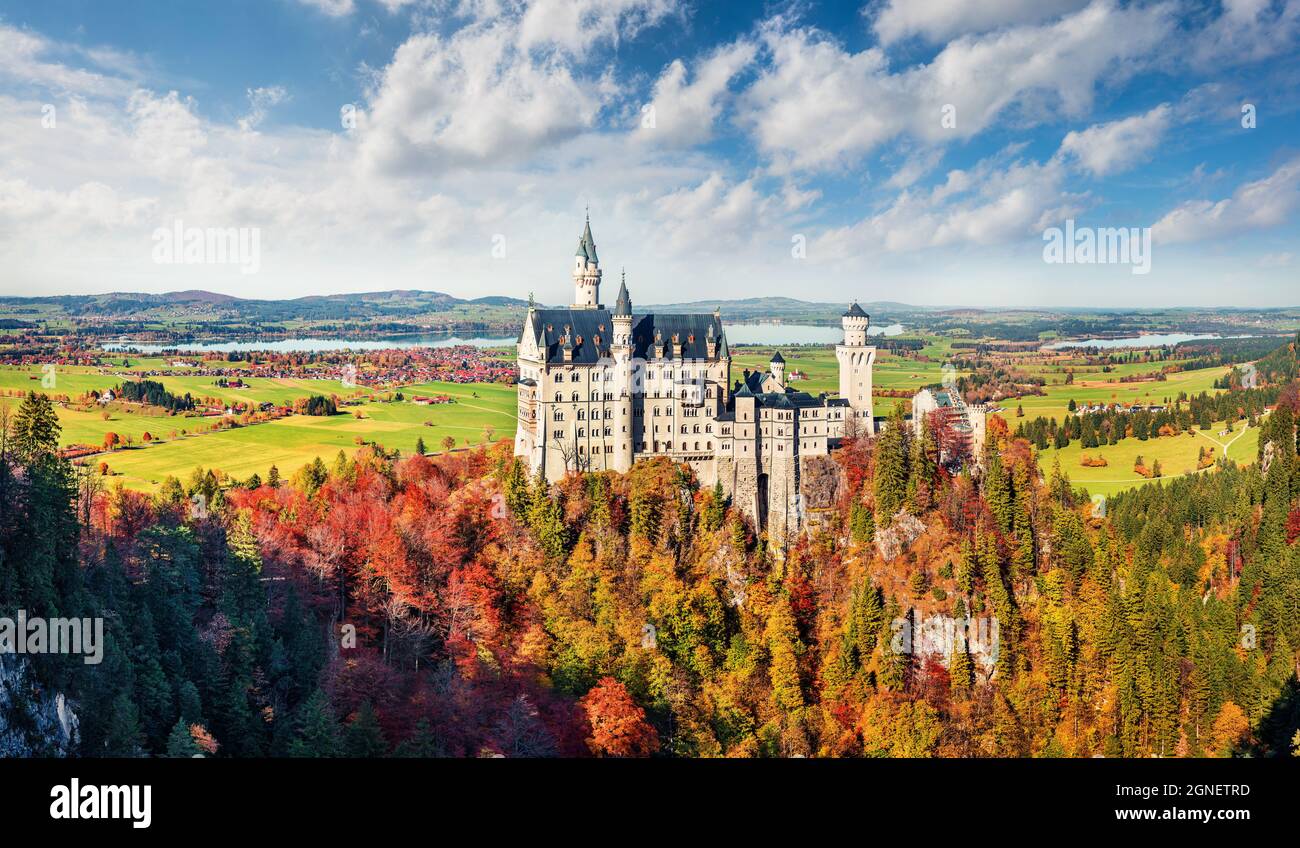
(623, 315)
(855, 323)
(586, 272)
(777, 367)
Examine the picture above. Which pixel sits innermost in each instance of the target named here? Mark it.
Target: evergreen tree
(364, 737)
(891, 467)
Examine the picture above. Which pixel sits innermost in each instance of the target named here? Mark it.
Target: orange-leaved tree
(618, 725)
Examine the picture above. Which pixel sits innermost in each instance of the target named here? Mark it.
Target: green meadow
(288, 443)
(1177, 455)
(1101, 388)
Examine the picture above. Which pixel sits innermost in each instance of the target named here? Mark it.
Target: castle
(599, 389)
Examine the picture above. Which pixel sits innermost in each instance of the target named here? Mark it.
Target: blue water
(763, 334)
(1153, 340)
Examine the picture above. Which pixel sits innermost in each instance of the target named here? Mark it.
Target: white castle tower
(620, 350)
(856, 360)
(586, 272)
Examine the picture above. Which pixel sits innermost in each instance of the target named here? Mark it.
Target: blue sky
(907, 150)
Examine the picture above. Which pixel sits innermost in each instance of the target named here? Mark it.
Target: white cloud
(1118, 145)
(1248, 31)
(939, 20)
(473, 98)
(332, 8)
(1257, 205)
(685, 112)
(993, 203)
(578, 25)
(817, 106)
(260, 100)
(24, 58)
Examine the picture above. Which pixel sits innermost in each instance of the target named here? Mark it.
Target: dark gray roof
(591, 330)
(584, 328)
(691, 330)
(777, 357)
(855, 311)
(623, 306)
(588, 244)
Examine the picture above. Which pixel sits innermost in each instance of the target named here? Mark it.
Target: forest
(401, 605)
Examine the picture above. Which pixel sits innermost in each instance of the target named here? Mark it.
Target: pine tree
(364, 737)
(180, 743)
(317, 731)
(891, 468)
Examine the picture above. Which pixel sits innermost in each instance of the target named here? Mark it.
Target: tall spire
(588, 244)
(623, 306)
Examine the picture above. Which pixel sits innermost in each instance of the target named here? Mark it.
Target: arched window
(575, 397)
(559, 396)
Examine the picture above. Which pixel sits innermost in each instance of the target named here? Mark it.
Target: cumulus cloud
(578, 25)
(472, 98)
(685, 112)
(818, 106)
(1261, 204)
(994, 202)
(1112, 147)
(939, 20)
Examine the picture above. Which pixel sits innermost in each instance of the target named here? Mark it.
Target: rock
(901, 532)
(34, 722)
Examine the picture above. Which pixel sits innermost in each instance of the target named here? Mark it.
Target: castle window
(582, 415)
(708, 445)
(559, 396)
(559, 378)
(683, 446)
(559, 416)
(559, 434)
(582, 431)
(575, 397)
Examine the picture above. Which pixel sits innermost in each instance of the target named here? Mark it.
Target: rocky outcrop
(34, 721)
(903, 530)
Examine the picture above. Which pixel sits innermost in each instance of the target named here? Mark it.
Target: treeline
(154, 394)
(1109, 426)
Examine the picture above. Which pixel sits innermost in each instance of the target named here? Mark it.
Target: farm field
(287, 443)
(1055, 403)
(1176, 455)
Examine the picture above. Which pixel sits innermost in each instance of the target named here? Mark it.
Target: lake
(1152, 340)
(761, 334)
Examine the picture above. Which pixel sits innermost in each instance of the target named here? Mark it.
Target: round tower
(777, 367)
(856, 361)
(855, 323)
(586, 272)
